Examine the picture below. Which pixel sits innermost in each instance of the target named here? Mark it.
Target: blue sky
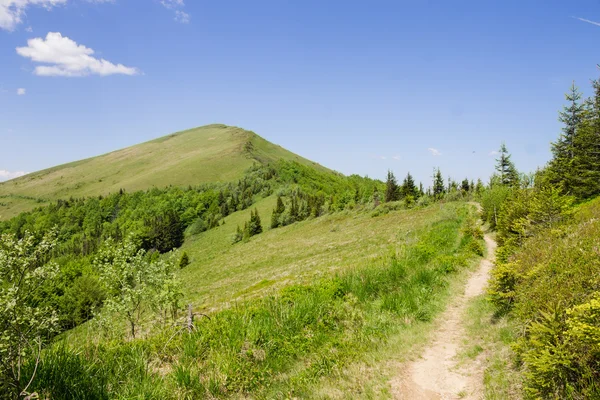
(361, 87)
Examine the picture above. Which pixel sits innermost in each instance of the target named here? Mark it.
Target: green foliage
(82, 300)
(507, 172)
(550, 283)
(254, 226)
(526, 211)
(392, 191)
(164, 232)
(184, 261)
(24, 323)
(438, 184)
(278, 344)
(409, 188)
(575, 166)
(136, 285)
(492, 200)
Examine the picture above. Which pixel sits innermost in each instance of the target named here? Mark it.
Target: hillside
(208, 154)
(283, 310)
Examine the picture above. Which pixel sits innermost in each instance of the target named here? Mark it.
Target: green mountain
(212, 153)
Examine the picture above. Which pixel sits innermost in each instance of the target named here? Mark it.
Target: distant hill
(212, 153)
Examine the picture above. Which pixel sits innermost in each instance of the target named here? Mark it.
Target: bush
(551, 285)
(492, 200)
(184, 261)
(198, 226)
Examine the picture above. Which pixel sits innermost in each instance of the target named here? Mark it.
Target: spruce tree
(465, 186)
(479, 186)
(391, 192)
(438, 184)
(184, 261)
(561, 169)
(585, 180)
(277, 212)
(280, 206)
(507, 172)
(254, 227)
(409, 188)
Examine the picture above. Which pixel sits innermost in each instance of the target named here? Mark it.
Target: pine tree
(391, 192)
(438, 184)
(507, 172)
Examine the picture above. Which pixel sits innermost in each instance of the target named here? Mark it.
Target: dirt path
(435, 375)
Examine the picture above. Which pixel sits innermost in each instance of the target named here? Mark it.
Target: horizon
(401, 87)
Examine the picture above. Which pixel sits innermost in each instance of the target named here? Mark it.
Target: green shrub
(492, 200)
(551, 285)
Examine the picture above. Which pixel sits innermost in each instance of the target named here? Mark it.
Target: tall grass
(279, 345)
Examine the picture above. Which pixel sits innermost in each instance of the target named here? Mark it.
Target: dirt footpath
(435, 375)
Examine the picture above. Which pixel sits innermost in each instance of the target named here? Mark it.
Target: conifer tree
(277, 212)
(507, 172)
(586, 149)
(465, 186)
(408, 187)
(184, 261)
(280, 206)
(254, 227)
(479, 186)
(391, 192)
(560, 170)
(438, 184)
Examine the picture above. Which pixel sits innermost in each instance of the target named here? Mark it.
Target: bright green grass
(213, 153)
(221, 272)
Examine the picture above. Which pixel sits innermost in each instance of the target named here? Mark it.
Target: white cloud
(7, 175)
(182, 17)
(434, 152)
(588, 21)
(493, 153)
(21, 91)
(397, 158)
(12, 11)
(67, 58)
(171, 4)
(29, 29)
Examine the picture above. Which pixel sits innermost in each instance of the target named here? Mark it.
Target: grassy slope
(214, 360)
(213, 153)
(220, 271)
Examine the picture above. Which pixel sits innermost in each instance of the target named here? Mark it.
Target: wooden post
(190, 319)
